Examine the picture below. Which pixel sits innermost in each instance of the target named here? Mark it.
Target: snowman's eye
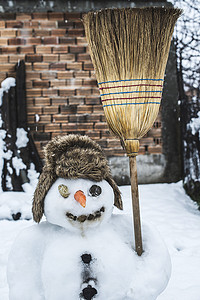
(95, 190)
(63, 190)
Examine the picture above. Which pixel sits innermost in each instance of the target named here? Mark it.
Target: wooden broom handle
(135, 205)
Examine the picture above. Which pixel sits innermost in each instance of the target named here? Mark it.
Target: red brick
(100, 126)
(81, 74)
(34, 93)
(50, 58)
(81, 41)
(26, 49)
(41, 32)
(57, 66)
(74, 82)
(113, 143)
(16, 41)
(67, 57)
(29, 84)
(59, 101)
(33, 58)
(95, 91)
(60, 118)
(24, 32)
(97, 109)
(67, 40)
(52, 40)
(42, 101)
(95, 135)
(50, 109)
(48, 24)
(68, 109)
(65, 75)
(34, 41)
(66, 91)
(29, 67)
(74, 66)
(7, 16)
(7, 67)
(48, 75)
(2, 24)
(14, 24)
(76, 100)
(60, 49)
(78, 24)
(81, 109)
(8, 32)
(155, 149)
(76, 49)
(30, 102)
(40, 16)
(84, 57)
(93, 118)
(72, 15)
(69, 127)
(92, 101)
(65, 24)
(155, 132)
(58, 83)
(32, 75)
(43, 49)
(58, 32)
(4, 58)
(31, 110)
(56, 16)
(90, 82)
(32, 24)
(45, 119)
(30, 119)
(3, 42)
(50, 92)
(41, 84)
(52, 128)
(88, 66)
(23, 16)
(75, 32)
(40, 66)
(2, 76)
(83, 91)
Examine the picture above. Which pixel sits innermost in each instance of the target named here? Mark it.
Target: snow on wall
(16, 163)
(194, 124)
(22, 138)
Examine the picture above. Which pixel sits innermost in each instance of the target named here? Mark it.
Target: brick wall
(62, 92)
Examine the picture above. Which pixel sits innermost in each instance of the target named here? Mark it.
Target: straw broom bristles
(129, 50)
(131, 45)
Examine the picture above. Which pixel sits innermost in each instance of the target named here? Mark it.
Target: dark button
(16, 216)
(89, 292)
(86, 258)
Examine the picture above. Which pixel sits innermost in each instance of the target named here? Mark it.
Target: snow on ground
(168, 208)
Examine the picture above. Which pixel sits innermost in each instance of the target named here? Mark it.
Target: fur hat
(72, 156)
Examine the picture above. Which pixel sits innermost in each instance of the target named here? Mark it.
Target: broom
(129, 49)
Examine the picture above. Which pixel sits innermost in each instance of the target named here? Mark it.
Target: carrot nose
(79, 196)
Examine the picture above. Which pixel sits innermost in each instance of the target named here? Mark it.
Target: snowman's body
(64, 258)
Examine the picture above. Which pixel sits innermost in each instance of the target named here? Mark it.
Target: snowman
(83, 250)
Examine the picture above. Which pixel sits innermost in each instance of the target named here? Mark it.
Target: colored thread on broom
(115, 104)
(130, 92)
(130, 80)
(130, 98)
(125, 86)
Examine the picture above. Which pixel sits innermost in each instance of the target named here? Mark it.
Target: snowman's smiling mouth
(91, 217)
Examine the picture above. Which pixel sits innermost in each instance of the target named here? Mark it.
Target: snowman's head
(69, 159)
(78, 203)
